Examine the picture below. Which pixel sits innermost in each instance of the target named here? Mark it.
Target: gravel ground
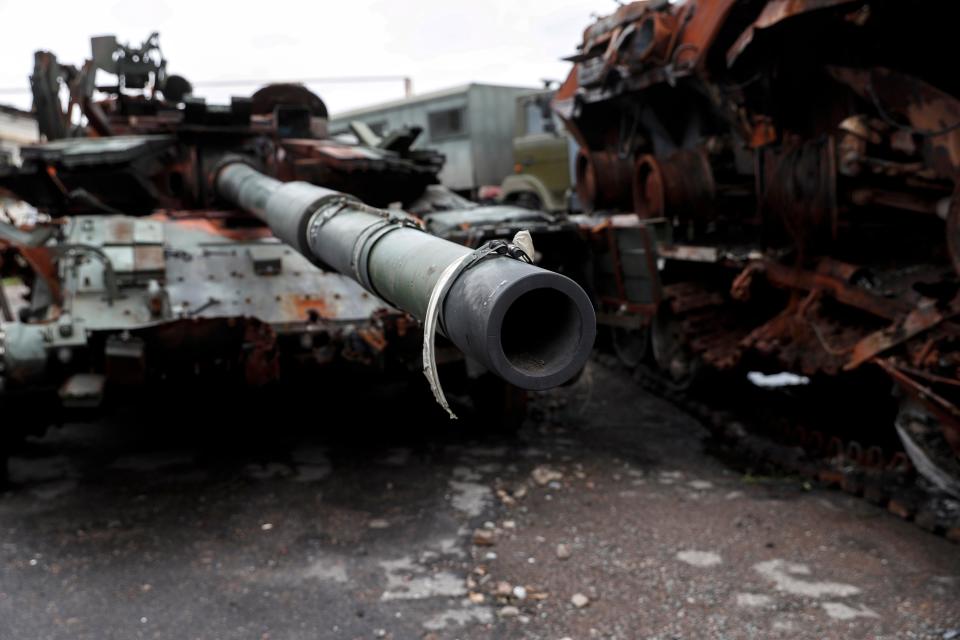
(605, 518)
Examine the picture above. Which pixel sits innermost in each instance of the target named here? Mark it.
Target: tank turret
(180, 240)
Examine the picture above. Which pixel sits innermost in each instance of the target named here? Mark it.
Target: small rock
(563, 551)
(579, 600)
(699, 558)
(509, 524)
(380, 633)
(476, 598)
(484, 537)
(378, 523)
(509, 612)
(544, 475)
(504, 589)
(266, 526)
(519, 593)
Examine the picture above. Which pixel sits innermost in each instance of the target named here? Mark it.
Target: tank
(773, 185)
(186, 243)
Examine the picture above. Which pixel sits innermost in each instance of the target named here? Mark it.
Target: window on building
(448, 123)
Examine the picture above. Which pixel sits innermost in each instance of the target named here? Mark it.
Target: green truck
(542, 155)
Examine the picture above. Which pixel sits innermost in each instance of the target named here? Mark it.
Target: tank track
(884, 478)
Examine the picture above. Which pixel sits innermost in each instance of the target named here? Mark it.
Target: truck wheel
(527, 200)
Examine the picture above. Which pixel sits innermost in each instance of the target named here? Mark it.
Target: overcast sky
(438, 43)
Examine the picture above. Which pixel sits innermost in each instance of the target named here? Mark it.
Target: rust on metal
(602, 180)
(681, 184)
(810, 195)
(775, 12)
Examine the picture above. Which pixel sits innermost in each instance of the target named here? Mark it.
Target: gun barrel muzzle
(532, 327)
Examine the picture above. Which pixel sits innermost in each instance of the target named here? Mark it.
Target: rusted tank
(238, 244)
(774, 188)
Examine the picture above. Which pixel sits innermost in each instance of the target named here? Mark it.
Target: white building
(472, 125)
(17, 127)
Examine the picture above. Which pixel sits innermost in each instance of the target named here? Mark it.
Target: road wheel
(679, 367)
(498, 407)
(631, 346)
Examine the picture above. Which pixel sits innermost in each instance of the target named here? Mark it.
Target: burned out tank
(186, 242)
(774, 188)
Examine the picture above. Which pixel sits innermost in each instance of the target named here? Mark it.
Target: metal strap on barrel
(331, 208)
(359, 259)
(491, 249)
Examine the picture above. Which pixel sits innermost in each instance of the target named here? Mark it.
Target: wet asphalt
(363, 513)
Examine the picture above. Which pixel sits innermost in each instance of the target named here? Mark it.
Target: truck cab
(542, 153)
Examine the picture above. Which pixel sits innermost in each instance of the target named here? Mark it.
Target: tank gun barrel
(532, 327)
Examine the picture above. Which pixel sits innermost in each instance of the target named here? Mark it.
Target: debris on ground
(544, 475)
(579, 600)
